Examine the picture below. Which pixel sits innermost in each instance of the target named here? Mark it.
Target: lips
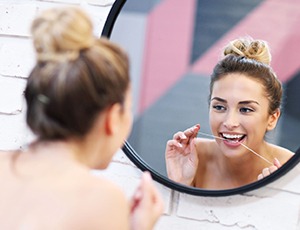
(234, 138)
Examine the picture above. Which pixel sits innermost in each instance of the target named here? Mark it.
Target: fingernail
(147, 175)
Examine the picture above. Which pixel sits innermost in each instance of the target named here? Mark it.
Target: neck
(76, 151)
(93, 150)
(54, 149)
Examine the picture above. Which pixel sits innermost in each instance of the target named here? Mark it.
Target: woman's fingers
(146, 205)
(174, 149)
(150, 199)
(277, 163)
(185, 136)
(153, 195)
(267, 171)
(179, 136)
(173, 144)
(192, 132)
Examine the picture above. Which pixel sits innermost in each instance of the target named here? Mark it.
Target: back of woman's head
(251, 58)
(76, 77)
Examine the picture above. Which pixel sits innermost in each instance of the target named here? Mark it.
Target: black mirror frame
(112, 17)
(141, 164)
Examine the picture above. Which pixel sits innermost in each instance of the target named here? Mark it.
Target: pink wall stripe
(167, 50)
(275, 21)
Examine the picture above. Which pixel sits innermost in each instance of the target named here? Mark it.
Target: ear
(113, 117)
(273, 118)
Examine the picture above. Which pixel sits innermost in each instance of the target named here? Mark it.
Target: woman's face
(239, 113)
(120, 127)
(127, 114)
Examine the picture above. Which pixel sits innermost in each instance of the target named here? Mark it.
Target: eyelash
(223, 108)
(219, 107)
(248, 110)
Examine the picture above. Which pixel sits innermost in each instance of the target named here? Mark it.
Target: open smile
(233, 138)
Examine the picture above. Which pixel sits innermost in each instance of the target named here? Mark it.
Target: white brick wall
(273, 207)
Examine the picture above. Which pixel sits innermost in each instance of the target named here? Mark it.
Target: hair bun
(59, 41)
(250, 48)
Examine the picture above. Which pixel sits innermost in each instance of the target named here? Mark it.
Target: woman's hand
(146, 205)
(181, 157)
(267, 171)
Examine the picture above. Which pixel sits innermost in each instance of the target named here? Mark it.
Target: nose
(231, 120)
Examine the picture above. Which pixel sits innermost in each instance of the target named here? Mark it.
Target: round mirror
(173, 46)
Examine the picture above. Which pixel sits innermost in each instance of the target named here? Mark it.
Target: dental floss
(209, 135)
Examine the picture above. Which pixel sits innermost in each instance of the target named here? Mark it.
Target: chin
(230, 150)
(100, 164)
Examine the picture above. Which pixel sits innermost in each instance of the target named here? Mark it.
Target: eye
(246, 110)
(219, 107)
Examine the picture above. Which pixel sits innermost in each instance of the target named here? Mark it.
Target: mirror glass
(174, 45)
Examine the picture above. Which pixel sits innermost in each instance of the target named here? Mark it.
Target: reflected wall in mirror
(174, 45)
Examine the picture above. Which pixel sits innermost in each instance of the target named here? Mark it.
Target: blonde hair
(60, 33)
(248, 47)
(76, 75)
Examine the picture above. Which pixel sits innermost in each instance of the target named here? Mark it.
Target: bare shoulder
(281, 153)
(6, 157)
(102, 203)
(81, 200)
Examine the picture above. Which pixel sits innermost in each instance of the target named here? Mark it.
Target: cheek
(256, 125)
(215, 121)
(249, 125)
(129, 122)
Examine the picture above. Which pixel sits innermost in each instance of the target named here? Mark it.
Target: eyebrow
(241, 102)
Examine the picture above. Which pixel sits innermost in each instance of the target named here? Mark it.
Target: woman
(79, 107)
(244, 104)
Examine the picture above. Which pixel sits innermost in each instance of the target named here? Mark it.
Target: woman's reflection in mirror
(244, 104)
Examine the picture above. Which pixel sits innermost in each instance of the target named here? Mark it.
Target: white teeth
(232, 136)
